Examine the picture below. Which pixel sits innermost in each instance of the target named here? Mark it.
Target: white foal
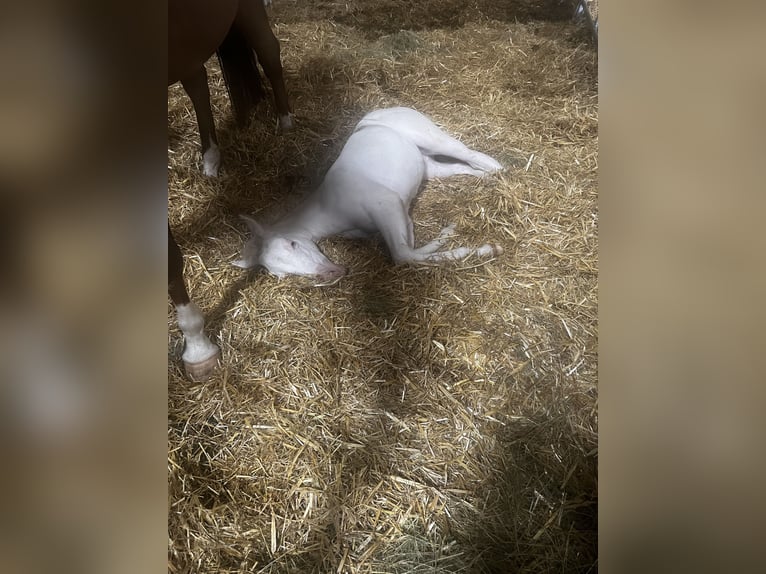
(369, 189)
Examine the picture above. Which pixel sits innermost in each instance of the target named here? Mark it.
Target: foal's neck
(309, 219)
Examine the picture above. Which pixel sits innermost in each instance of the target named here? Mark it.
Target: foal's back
(376, 157)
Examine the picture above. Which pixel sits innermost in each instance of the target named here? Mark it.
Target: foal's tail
(240, 72)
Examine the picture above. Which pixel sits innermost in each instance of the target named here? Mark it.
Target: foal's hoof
(201, 371)
(498, 250)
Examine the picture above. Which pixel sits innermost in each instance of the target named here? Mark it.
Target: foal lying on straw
(367, 190)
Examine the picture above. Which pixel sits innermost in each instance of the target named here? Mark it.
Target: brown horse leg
(253, 21)
(199, 93)
(200, 355)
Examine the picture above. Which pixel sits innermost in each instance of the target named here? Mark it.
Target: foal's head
(284, 255)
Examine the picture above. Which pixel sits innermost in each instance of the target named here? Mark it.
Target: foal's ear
(255, 228)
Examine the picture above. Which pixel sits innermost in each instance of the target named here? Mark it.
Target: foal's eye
(293, 244)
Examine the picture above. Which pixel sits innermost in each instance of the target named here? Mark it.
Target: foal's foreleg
(407, 255)
(254, 23)
(199, 93)
(435, 244)
(462, 252)
(395, 225)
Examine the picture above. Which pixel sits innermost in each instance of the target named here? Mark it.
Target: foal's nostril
(333, 273)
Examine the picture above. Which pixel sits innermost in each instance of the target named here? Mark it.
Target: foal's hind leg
(199, 93)
(443, 169)
(254, 23)
(435, 142)
(429, 138)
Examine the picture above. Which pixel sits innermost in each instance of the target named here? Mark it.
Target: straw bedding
(438, 419)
